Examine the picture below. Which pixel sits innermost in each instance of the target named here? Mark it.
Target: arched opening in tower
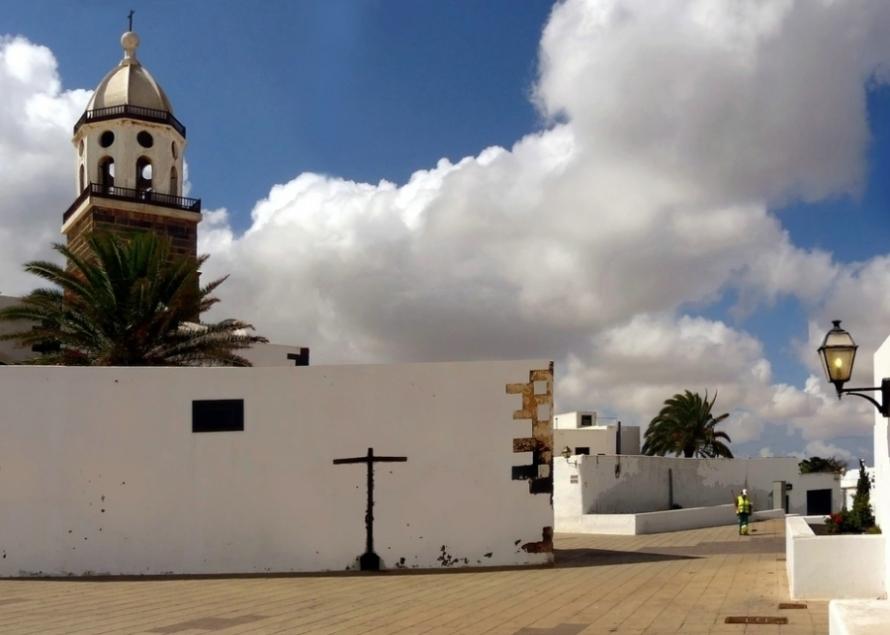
(143, 174)
(106, 172)
(174, 182)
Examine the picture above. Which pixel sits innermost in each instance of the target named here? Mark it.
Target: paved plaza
(680, 582)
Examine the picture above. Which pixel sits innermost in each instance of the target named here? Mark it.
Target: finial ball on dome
(130, 42)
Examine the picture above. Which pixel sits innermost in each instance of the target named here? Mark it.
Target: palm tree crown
(127, 303)
(686, 426)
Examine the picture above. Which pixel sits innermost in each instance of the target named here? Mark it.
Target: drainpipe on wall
(618, 439)
(670, 488)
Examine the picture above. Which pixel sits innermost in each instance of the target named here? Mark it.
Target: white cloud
(826, 450)
(37, 179)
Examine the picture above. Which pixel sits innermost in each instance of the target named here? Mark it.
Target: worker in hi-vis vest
(743, 510)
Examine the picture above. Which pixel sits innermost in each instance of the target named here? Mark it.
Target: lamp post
(838, 352)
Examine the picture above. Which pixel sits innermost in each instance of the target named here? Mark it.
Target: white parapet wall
(826, 567)
(101, 473)
(656, 522)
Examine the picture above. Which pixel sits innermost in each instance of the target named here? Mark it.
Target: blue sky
(365, 89)
(369, 90)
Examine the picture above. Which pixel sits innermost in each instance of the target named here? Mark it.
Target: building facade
(582, 433)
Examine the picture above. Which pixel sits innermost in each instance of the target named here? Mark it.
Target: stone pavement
(680, 582)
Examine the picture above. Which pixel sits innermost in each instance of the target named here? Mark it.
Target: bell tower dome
(129, 162)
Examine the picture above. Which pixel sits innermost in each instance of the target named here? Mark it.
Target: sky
(658, 196)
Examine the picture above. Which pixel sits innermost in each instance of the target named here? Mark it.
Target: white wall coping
(858, 617)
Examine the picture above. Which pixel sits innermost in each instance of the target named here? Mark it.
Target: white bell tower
(129, 161)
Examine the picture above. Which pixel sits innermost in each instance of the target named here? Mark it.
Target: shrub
(859, 519)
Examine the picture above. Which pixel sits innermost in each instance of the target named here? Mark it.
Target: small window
(174, 182)
(80, 178)
(80, 148)
(145, 139)
(586, 420)
(582, 450)
(106, 138)
(173, 150)
(218, 415)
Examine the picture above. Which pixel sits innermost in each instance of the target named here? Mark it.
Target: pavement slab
(679, 582)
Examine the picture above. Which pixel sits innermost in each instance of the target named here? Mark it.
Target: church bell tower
(129, 172)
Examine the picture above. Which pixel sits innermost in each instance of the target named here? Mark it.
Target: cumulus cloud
(673, 128)
(825, 450)
(37, 179)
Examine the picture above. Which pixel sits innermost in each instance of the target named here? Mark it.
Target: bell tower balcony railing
(133, 112)
(135, 196)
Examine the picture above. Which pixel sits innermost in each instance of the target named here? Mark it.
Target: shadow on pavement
(566, 558)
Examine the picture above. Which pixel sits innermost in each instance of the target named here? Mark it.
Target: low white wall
(826, 567)
(635, 484)
(101, 472)
(858, 617)
(656, 522)
(613, 524)
(678, 519)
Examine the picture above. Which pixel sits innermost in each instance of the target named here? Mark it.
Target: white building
(582, 434)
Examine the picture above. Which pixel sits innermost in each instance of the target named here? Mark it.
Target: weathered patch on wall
(545, 545)
(537, 408)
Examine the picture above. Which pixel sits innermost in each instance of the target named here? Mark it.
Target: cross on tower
(130, 19)
(370, 561)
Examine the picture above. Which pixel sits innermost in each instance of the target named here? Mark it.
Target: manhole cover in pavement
(755, 619)
(792, 605)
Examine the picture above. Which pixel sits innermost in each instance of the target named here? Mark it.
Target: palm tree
(127, 303)
(686, 426)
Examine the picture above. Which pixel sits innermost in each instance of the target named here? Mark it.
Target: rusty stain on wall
(545, 545)
(537, 408)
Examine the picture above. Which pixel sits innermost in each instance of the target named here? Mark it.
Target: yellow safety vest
(743, 506)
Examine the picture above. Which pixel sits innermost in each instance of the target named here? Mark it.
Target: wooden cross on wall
(370, 561)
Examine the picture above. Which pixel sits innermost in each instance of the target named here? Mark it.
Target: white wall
(826, 567)
(656, 522)
(880, 493)
(102, 474)
(270, 355)
(632, 484)
(600, 439)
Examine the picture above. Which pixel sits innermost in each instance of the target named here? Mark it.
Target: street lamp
(838, 352)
